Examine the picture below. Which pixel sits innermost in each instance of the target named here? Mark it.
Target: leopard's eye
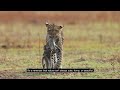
(56, 31)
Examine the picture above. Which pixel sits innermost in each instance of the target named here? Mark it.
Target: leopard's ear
(61, 26)
(46, 24)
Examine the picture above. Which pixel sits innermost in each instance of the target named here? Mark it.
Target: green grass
(86, 46)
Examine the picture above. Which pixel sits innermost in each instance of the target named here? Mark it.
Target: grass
(93, 45)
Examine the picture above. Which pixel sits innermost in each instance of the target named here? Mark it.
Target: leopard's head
(53, 29)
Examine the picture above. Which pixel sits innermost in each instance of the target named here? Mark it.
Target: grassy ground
(93, 45)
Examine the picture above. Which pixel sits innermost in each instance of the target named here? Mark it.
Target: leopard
(55, 32)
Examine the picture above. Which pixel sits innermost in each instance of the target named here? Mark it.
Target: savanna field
(92, 40)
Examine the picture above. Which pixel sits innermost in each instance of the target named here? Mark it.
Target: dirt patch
(18, 75)
(7, 75)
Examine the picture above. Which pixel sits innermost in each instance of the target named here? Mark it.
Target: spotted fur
(55, 32)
